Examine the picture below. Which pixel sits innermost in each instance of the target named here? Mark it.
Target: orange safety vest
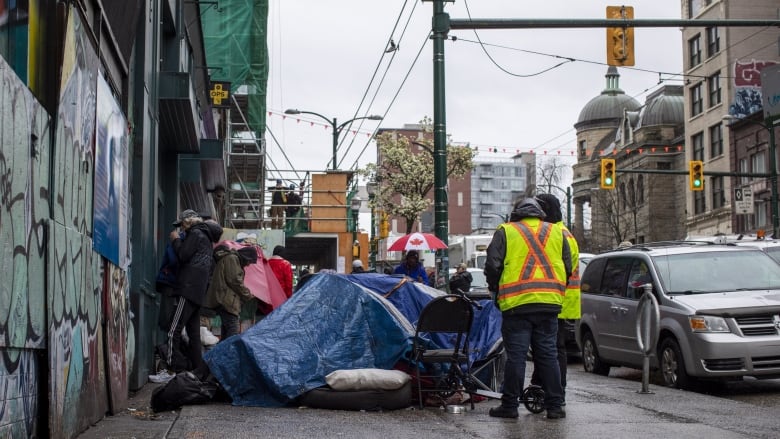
(533, 269)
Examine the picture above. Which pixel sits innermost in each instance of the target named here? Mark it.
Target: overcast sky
(324, 54)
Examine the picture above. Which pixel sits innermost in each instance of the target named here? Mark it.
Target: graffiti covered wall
(77, 373)
(24, 193)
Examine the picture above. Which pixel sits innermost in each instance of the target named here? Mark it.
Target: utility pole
(441, 27)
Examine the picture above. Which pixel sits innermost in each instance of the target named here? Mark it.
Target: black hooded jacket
(196, 260)
(496, 252)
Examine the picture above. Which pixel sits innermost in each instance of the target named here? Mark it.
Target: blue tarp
(333, 322)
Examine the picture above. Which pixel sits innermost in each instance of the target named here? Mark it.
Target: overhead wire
(373, 76)
(376, 92)
(400, 87)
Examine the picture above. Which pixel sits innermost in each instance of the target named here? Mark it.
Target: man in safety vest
(570, 310)
(528, 263)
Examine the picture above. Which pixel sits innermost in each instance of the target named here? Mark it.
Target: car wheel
(591, 361)
(672, 366)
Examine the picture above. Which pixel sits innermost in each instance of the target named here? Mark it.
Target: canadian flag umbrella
(417, 241)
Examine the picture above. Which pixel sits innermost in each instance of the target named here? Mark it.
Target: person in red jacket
(282, 270)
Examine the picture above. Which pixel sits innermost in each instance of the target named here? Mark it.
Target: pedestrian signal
(620, 40)
(696, 175)
(608, 173)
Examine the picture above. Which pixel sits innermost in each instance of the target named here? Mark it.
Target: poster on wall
(747, 87)
(111, 178)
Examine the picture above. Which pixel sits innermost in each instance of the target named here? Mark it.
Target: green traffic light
(608, 181)
(697, 183)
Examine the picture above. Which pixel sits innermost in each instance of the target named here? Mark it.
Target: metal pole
(440, 29)
(335, 140)
(773, 175)
(372, 245)
(568, 207)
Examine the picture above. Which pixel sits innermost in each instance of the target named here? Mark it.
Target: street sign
(743, 200)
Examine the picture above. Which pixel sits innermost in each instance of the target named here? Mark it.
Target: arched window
(640, 190)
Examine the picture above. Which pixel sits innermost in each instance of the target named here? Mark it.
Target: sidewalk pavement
(596, 407)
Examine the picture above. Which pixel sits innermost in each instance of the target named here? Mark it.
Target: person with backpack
(227, 292)
(194, 253)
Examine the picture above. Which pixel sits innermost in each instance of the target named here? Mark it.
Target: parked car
(719, 311)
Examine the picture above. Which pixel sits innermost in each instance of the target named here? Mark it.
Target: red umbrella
(417, 241)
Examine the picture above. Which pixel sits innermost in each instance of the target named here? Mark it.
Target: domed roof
(610, 103)
(665, 107)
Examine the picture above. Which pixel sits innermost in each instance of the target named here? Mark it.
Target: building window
(694, 51)
(718, 194)
(716, 140)
(696, 6)
(762, 219)
(698, 146)
(640, 189)
(713, 41)
(699, 206)
(757, 163)
(583, 150)
(743, 169)
(713, 87)
(460, 199)
(696, 100)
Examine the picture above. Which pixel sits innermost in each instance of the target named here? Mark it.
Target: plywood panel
(329, 208)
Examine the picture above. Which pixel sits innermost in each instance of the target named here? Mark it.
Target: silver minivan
(719, 308)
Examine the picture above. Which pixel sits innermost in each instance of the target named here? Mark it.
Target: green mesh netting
(235, 38)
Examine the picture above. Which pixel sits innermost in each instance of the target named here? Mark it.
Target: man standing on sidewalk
(525, 268)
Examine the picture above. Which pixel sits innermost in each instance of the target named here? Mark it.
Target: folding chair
(451, 314)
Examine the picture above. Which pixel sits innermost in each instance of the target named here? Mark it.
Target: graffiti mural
(747, 87)
(116, 335)
(18, 415)
(25, 134)
(77, 376)
(76, 345)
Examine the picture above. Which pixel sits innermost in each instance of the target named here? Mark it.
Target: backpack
(183, 389)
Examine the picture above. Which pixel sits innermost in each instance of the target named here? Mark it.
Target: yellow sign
(220, 94)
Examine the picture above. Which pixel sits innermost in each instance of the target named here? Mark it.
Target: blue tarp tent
(333, 322)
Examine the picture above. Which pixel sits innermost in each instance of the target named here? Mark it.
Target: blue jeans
(539, 330)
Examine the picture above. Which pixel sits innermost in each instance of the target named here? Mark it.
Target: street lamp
(336, 128)
(354, 206)
(371, 188)
(769, 125)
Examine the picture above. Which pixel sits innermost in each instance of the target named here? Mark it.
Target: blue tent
(333, 322)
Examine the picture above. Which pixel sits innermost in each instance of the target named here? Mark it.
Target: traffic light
(608, 173)
(384, 226)
(696, 175)
(620, 40)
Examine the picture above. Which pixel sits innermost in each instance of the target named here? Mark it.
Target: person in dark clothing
(227, 292)
(412, 267)
(461, 281)
(196, 261)
(294, 200)
(278, 203)
(165, 284)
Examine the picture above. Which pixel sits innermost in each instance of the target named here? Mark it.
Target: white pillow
(367, 379)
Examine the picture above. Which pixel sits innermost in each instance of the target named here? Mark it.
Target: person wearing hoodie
(195, 255)
(227, 292)
(526, 270)
(570, 309)
(282, 270)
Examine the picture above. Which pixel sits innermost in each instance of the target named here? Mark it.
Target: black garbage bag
(184, 389)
